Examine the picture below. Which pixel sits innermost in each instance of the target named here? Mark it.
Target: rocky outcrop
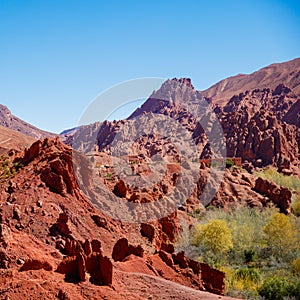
(61, 226)
(57, 171)
(293, 116)
(123, 249)
(279, 195)
(86, 258)
(162, 233)
(33, 151)
(35, 264)
(4, 259)
(100, 221)
(255, 131)
(207, 278)
(214, 280)
(120, 189)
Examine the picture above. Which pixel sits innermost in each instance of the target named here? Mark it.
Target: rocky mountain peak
(184, 81)
(5, 115)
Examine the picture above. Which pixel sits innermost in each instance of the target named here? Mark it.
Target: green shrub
(279, 288)
(249, 274)
(7, 168)
(296, 206)
(214, 238)
(294, 290)
(282, 236)
(17, 166)
(241, 283)
(211, 207)
(197, 211)
(296, 265)
(250, 256)
(229, 163)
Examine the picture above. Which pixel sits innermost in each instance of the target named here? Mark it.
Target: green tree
(296, 206)
(214, 238)
(282, 236)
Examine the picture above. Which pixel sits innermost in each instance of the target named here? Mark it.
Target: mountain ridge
(7, 119)
(287, 73)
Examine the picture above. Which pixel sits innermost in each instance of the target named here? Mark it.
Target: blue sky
(56, 56)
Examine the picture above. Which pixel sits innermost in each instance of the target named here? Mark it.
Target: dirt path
(151, 287)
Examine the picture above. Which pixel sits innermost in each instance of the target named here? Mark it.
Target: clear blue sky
(56, 56)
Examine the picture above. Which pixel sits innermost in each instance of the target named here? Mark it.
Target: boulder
(122, 249)
(100, 221)
(33, 151)
(148, 231)
(36, 264)
(120, 189)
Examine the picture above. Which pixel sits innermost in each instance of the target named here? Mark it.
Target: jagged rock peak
(185, 81)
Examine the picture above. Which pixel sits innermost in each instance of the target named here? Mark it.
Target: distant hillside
(259, 114)
(287, 73)
(8, 120)
(10, 139)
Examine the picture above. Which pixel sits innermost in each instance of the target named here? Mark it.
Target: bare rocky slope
(10, 139)
(56, 245)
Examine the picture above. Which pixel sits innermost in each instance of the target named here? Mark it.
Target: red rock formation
(36, 219)
(120, 189)
(85, 258)
(34, 264)
(122, 249)
(279, 195)
(213, 279)
(206, 277)
(162, 233)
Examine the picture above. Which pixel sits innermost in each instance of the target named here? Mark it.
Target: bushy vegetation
(296, 205)
(251, 246)
(279, 288)
(281, 236)
(214, 238)
(7, 168)
(229, 163)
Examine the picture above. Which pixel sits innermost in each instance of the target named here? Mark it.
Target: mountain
(259, 115)
(10, 139)
(255, 124)
(287, 73)
(63, 227)
(8, 120)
